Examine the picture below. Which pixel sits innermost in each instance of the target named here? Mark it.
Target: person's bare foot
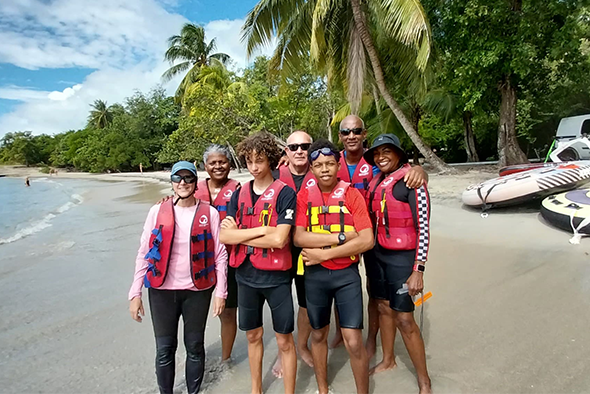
(383, 366)
(336, 341)
(277, 369)
(306, 356)
(371, 347)
(425, 387)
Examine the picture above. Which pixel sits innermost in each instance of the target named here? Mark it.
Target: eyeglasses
(357, 131)
(187, 178)
(295, 147)
(324, 151)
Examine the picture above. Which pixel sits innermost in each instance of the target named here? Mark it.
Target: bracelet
(419, 267)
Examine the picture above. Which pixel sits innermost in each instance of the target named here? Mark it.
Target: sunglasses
(324, 151)
(357, 131)
(295, 147)
(187, 178)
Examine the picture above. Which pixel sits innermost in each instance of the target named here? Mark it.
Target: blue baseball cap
(184, 165)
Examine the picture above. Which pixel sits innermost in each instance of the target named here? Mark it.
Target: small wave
(43, 223)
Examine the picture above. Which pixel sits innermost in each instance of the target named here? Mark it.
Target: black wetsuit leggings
(166, 307)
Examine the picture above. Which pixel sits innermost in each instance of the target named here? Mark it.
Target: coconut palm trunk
(361, 25)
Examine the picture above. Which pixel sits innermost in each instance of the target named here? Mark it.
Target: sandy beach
(509, 312)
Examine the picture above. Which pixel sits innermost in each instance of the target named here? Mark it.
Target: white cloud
(228, 34)
(124, 40)
(65, 94)
(22, 93)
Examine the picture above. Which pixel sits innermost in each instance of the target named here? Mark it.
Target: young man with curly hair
(258, 224)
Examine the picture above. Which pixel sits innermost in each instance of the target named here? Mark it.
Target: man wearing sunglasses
(333, 228)
(353, 168)
(297, 176)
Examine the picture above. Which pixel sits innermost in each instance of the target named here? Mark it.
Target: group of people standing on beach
(309, 223)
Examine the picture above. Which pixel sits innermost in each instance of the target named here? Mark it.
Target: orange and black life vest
(202, 247)
(393, 219)
(286, 176)
(362, 175)
(263, 213)
(331, 216)
(222, 199)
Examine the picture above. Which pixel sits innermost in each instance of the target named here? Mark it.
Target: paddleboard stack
(562, 206)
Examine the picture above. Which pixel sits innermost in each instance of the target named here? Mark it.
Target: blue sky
(58, 56)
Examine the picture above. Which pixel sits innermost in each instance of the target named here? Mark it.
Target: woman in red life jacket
(217, 190)
(355, 169)
(258, 225)
(401, 217)
(182, 263)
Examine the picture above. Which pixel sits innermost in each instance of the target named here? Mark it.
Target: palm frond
(175, 70)
(266, 19)
(222, 57)
(407, 22)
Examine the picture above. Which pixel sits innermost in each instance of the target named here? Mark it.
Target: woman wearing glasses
(181, 262)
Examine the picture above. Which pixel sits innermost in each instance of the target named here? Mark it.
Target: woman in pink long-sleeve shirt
(177, 295)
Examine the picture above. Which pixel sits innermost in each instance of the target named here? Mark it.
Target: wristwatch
(341, 238)
(419, 267)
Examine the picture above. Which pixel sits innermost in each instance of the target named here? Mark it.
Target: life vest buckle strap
(249, 250)
(201, 237)
(204, 272)
(221, 208)
(324, 209)
(202, 255)
(250, 211)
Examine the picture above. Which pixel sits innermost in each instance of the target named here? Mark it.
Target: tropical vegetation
(460, 80)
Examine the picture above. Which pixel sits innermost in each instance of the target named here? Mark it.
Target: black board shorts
(232, 289)
(396, 266)
(324, 286)
(251, 302)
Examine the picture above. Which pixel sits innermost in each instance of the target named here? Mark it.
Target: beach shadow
(523, 208)
(337, 359)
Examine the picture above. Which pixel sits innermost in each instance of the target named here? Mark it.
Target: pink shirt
(179, 271)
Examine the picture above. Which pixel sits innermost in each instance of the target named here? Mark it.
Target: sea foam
(42, 224)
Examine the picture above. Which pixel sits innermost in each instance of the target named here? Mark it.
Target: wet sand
(509, 312)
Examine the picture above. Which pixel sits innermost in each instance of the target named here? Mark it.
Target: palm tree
(194, 52)
(101, 115)
(338, 37)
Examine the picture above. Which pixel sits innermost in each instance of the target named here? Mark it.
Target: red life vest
(222, 199)
(362, 175)
(393, 219)
(332, 215)
(286, 176)
(263, 213)
(202, 248)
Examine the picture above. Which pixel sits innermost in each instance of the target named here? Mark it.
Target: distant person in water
(141, 168)
(27, 182)
(183, 264)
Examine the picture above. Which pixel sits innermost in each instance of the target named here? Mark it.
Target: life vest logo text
(364, 169)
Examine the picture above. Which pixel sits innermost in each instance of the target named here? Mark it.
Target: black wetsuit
(166, 307)
(388, 270)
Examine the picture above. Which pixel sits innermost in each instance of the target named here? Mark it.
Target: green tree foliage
(224, 108)
(493, 54)
(101, 115)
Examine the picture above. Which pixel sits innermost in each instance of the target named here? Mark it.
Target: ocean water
(25, 211)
